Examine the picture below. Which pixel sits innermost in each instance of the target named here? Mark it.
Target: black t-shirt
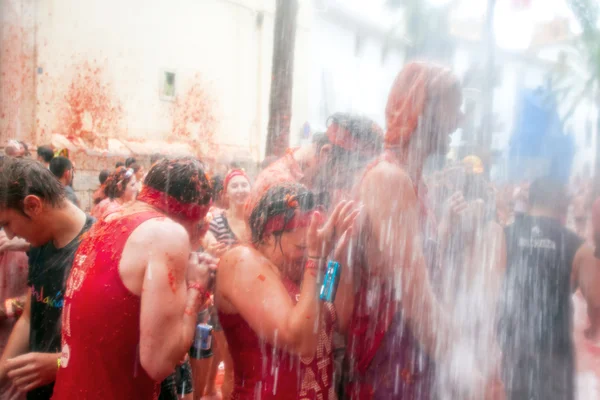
(48, 271)
(70, 193)
(535, 310)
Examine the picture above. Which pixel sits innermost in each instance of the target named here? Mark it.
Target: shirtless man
(395, 322)
(131, 300)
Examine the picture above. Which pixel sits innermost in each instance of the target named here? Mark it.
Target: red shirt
(101, 321)
(262, 372)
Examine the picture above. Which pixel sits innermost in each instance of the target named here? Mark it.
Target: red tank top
(263, 372)
(101, 321)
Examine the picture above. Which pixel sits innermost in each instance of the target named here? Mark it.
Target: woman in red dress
(279, 332)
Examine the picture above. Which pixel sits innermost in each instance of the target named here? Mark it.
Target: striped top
(221, 230)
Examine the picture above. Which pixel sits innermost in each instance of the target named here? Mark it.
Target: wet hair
(548, 193)
(130, 161)
(26, 152)
(117, 181)
(103, 176)
(119, 164)
(46, 153)
(156, 157)
(217, 188)
(20, 178)
(275, 202)
(182, 178)
(343, 164)
(60, 165)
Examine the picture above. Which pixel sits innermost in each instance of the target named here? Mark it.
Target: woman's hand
(320, 241)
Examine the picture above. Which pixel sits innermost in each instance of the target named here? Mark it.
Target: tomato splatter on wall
(89, 109)
(193, 117)
(17, 72)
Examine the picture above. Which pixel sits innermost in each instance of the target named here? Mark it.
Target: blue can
(330, 282)
(204, 337)
(202, 346)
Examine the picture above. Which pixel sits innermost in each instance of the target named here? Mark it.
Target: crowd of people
(344, 270)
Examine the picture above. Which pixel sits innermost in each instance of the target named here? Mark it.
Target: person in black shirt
(543, 268)
(35, 208)
(63, 170)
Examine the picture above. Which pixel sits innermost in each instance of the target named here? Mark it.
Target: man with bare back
(131, 299)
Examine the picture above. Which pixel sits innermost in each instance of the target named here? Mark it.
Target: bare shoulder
(239, 257)
(584, 252)
(160, 233)
(389, 186)
(387, 170)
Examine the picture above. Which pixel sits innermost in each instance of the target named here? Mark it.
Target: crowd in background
(344, 270)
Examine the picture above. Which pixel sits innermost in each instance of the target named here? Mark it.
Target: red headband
(171, 206)
(277, 223)
(232, 174)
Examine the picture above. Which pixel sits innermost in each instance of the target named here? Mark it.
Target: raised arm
(394, 244)
(168, 307)
(252, 286)
(265, 303)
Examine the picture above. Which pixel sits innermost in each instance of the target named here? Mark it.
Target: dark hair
(20, 178)
(46, 153)
(135, 167)
(60, 165)
(182, 178)
(275, 202)
(342, 164)
(25, 148)
(362, 129)
(103, 176)
(115, 184)
(119, 164)
(548, 193)
(129, 162)
(216, 182)
(155, 157)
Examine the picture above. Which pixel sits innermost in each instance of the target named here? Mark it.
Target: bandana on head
(171, 206)
(277, 223)
(232, 174)
(408, 97)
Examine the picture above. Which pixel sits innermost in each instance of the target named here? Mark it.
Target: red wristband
(200, 288)
(313, 264)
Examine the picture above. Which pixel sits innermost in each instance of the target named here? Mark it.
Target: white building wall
(347, 78)
(134, 41)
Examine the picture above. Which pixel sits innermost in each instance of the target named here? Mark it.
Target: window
(167, 85)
